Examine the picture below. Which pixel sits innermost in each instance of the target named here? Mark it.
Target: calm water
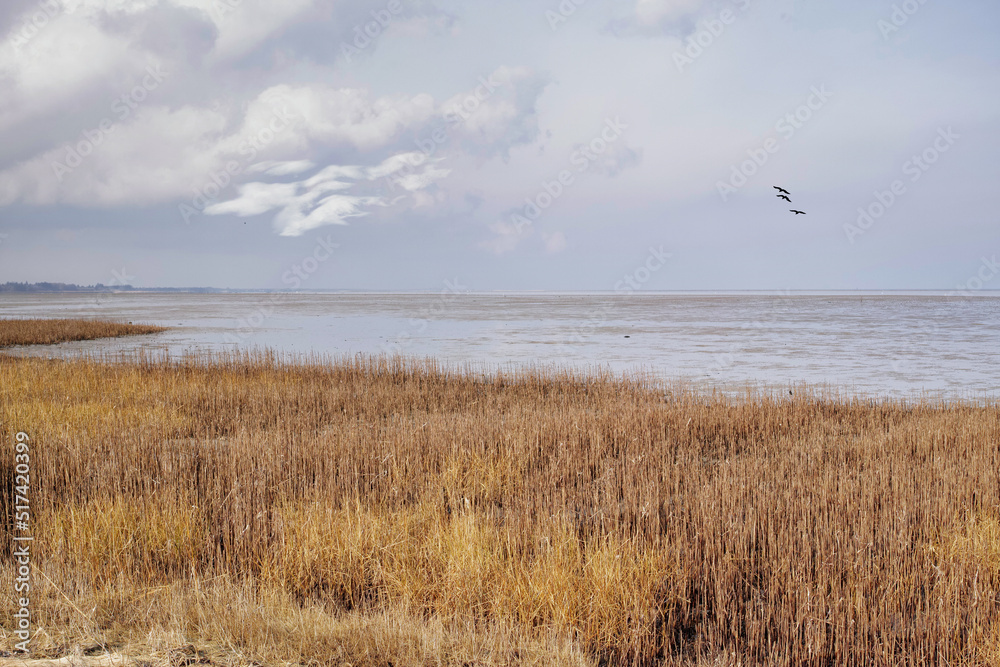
(903, 345)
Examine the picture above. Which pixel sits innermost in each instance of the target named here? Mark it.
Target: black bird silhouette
(781, 190)
(785, 198)
(797, 212)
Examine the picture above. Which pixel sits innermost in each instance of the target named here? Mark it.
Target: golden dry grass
(50, 331)
(377, 512)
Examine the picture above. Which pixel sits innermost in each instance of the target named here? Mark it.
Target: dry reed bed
(50, 331)
(378, 512)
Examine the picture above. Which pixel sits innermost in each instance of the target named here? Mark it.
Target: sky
(625, 145)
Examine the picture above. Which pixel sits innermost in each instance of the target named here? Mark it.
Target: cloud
(169, 32)
(48, 71)
(349, 116)
(155, 154)
(244, 26)
(412, 182)
(208, 47)
(148, 160)
(274, 168)
(554, 242)
(233, 121)
(257, 198)
(322, 199)
(351, 30)
(506, 236)
(658, 17)
(499, 113)
(615, 159)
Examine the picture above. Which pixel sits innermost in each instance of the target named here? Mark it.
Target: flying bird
(797, 212)
(781, 190)
(785, 198)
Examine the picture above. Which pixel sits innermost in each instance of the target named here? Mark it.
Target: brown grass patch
(51, 331)
(378, 512)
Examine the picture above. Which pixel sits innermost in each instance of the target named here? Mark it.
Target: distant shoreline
(69, 288)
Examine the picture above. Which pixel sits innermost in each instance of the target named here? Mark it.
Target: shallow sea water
(900, 345)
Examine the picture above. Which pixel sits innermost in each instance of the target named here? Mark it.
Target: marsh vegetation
(379, 511)
(35, 331)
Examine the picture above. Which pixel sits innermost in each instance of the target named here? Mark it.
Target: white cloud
(499, 113)
(334, 171)
(243, 27)
(147, 160)
(257, 198)
(350, 116)
(419, 180)
(276, 168)
(295, 219)
(394, 164)
(321, 199)
(48, 70)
